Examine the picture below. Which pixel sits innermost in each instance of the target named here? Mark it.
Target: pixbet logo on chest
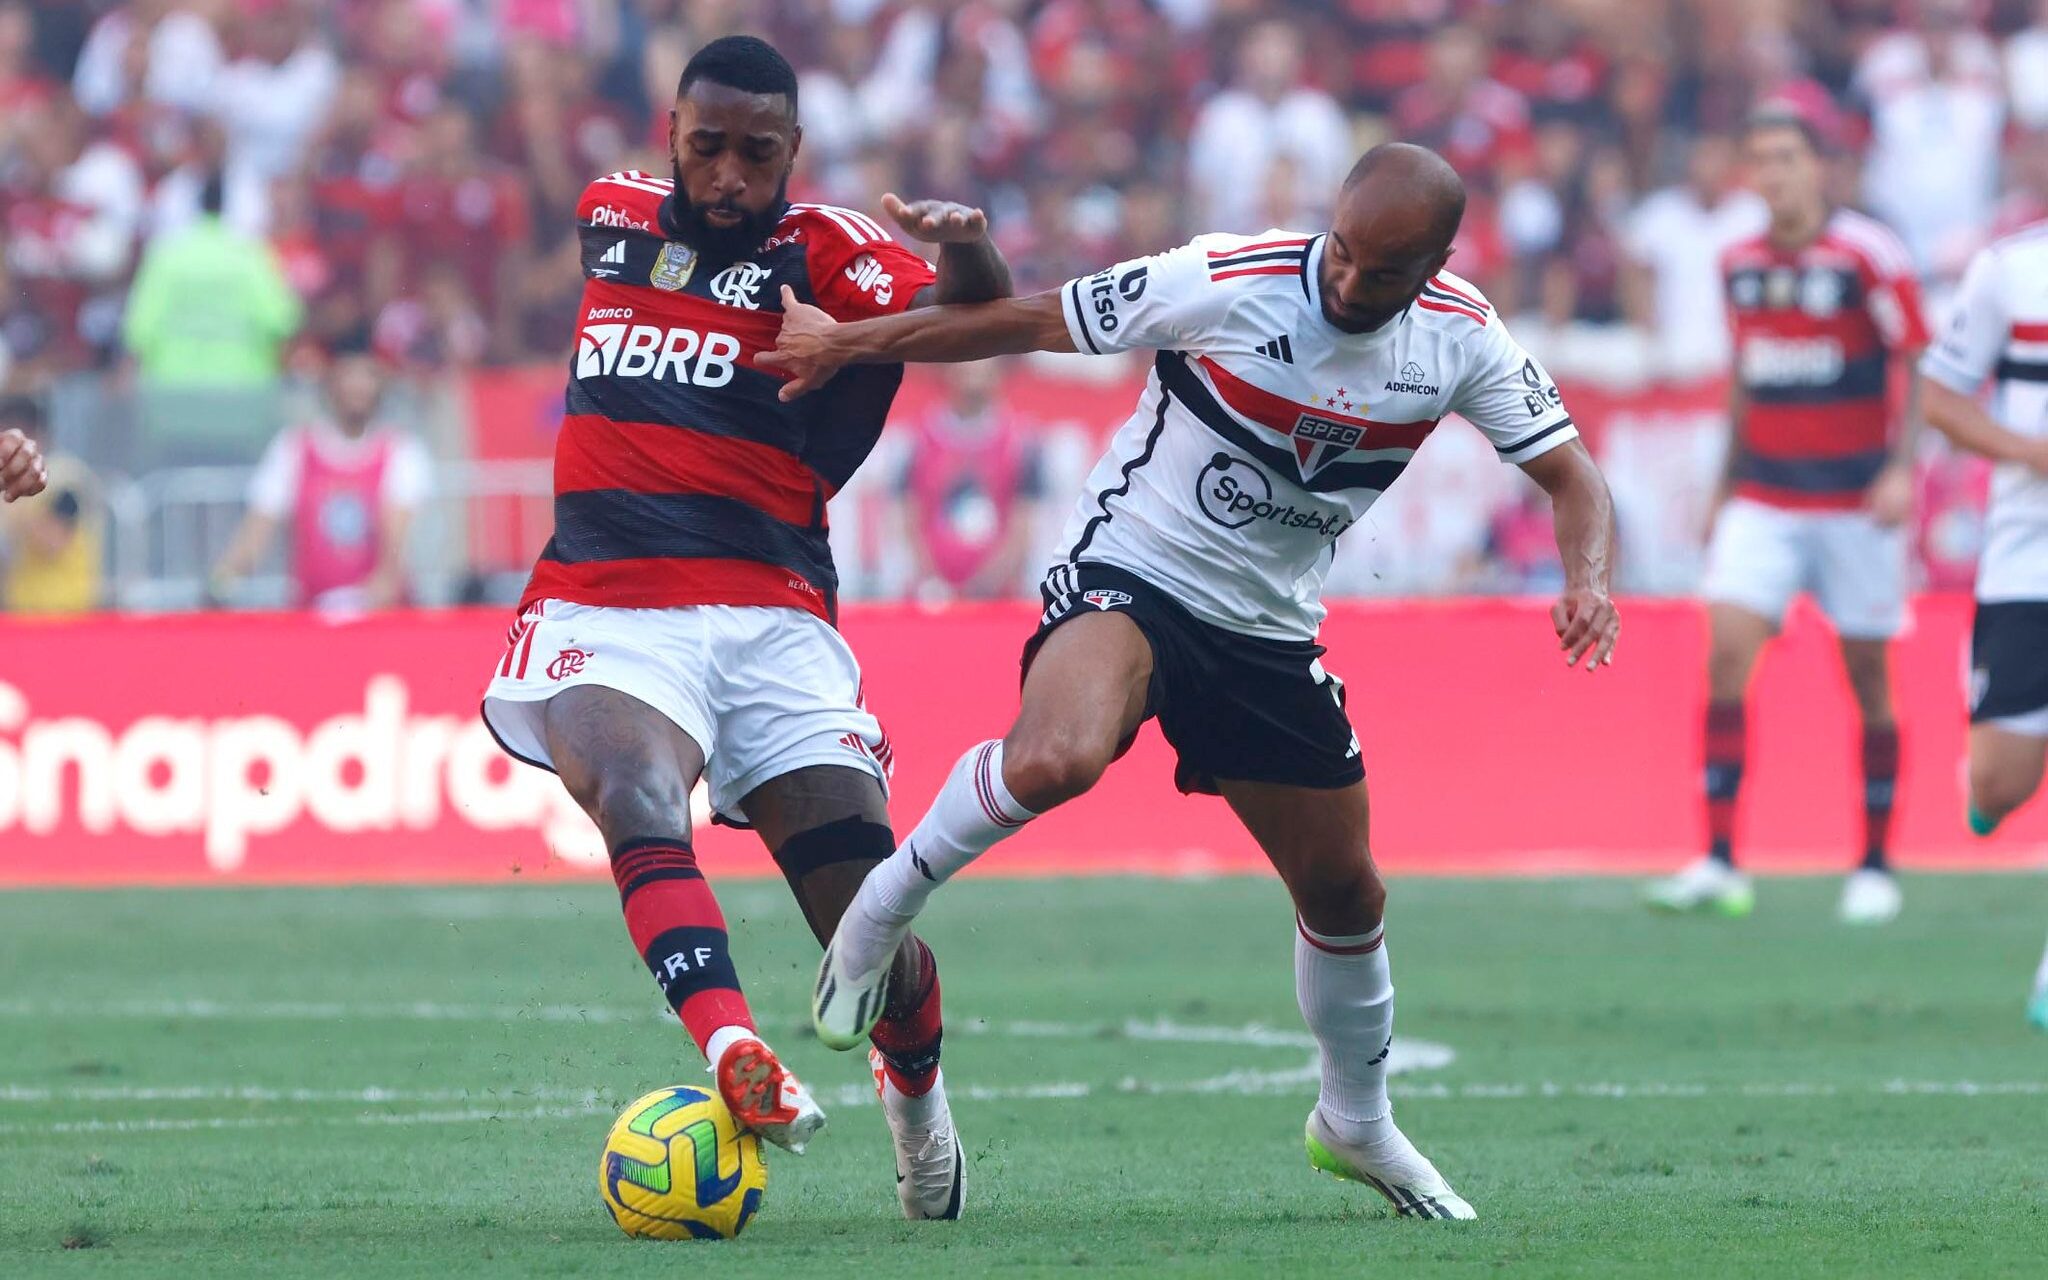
(645, 350)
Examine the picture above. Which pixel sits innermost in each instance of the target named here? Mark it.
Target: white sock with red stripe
(1346, 992)
(972, 812)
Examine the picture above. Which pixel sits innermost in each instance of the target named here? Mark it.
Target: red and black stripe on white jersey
(1816, 331)
(1286, 256)
(680, 477)
(1440, 295)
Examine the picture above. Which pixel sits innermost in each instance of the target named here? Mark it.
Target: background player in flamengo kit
(679, 623)
(1814, 494)
(1295, 376)
(1998, 332)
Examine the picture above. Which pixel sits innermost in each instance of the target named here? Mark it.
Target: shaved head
(1397, 214)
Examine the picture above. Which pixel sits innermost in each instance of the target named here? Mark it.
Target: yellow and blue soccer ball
(678, 1167)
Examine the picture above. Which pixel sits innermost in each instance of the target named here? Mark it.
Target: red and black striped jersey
(1816, 331)
(680, 478)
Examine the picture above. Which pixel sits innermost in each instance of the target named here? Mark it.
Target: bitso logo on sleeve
(869, 277)
(673, 267)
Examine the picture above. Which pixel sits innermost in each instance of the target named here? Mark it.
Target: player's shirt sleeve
(1165, 302)
(1892, 296)
(275, 485)
(1974, 337)
(875, 276)
(1511, 398)
(408, 476)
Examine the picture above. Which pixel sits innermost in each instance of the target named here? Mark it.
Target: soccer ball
(677, 1166)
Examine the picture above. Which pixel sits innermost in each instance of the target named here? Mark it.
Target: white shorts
(1762, 556)
(764, 691)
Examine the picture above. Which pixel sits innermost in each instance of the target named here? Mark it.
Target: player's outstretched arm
(971, 268)
(813, 346)
(1585, 617)
(22, 473)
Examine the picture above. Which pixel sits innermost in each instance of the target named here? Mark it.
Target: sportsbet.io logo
(645, 350)
(1234, 493)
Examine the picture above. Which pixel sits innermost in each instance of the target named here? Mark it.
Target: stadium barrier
(285, 747)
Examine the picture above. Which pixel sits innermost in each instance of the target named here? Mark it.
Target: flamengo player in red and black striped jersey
(1816, 490)
(679, 623)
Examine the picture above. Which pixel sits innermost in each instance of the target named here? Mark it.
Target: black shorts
(1235, 707)
(2008, 660)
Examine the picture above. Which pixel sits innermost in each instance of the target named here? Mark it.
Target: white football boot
(1705, 885)
(846, 1006)
(1392, 1166)
(765, 1096)
(1870, 896)
(931, 1171)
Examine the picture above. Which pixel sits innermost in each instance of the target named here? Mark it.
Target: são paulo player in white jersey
(1295, 376)
(1998, 334)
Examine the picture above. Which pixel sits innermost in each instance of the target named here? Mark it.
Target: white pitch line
(1245, 1084)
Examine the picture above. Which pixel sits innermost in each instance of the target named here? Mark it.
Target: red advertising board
(286, 748)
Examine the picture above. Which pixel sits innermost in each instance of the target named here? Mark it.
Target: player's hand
(1587, 626)
(22, 472)
(1890, 496)
(937, 221)
(803, 350)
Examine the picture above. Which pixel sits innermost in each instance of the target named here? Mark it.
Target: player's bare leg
(1736, 638)
(2006, 767)
(1318, 842)
(2005, 772)
(828, 827)
(1083, 699)
(632, 769)
(1871, 894)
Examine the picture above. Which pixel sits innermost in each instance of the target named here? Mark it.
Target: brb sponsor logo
(650, 351)
(1234, 493)
(230, 781)
(1791, 362)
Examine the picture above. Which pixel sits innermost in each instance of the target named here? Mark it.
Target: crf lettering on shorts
(682, 961)
(645, 350)
(1781, 362)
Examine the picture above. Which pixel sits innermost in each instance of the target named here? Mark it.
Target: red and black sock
(1727, 750)
(1880, 786)
(910, 1030)
(675, 922)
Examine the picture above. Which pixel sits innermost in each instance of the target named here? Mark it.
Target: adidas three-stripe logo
(1278, 349)
(617, 253)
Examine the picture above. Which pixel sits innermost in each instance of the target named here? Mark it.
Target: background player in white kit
(1998, 332)
(1296, 374)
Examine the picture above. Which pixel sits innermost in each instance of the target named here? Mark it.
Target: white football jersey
(1998, 329)
(1264, 433)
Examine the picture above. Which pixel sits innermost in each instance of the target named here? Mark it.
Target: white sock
(1346, 992)
(723, 1039)
(2041, 976)
(972, 812)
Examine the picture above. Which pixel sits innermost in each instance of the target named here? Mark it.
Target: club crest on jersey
(673, 267)
(739, 285)
(1105, 599)
(1318, 442)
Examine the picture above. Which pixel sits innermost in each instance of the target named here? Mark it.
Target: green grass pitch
(415, 1081)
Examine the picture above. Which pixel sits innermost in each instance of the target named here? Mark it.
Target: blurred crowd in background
(206, 205)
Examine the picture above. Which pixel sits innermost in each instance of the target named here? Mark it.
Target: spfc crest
(1318, 442)
(673, 267)
(1105, 599)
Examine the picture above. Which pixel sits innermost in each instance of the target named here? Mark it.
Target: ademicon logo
(234, 779)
